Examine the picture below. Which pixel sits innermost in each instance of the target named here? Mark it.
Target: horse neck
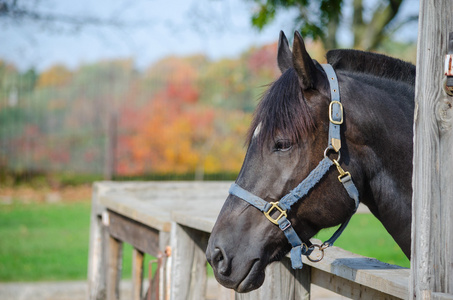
(379, 138)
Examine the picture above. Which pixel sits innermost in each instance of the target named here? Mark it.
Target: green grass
(39, 241)
(47, 242)
(366, 236)
(50, 242)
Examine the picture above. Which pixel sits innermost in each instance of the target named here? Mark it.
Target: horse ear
(284, 55)
(303, 64)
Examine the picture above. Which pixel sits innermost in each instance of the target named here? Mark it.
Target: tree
(16, 12)
(57, 75)
(321, 19)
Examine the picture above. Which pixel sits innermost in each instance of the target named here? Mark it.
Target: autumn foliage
(182, 115)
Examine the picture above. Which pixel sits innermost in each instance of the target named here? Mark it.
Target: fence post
(188, 272)
(432, 205)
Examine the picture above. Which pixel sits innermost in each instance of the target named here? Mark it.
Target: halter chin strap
(270, 209)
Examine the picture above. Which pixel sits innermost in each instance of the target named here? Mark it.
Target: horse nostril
(219, 256)
(220, 262)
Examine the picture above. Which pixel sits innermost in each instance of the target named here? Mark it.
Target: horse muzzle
(234, 272)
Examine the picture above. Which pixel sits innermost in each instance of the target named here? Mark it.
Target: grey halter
(299, 248)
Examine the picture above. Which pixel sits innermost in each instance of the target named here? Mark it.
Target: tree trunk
(330, 41)
(368, 36)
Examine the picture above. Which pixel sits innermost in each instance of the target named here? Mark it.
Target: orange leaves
(168, 140)
(184, 115)
(56, 76)
(193, 119)
(172, 135)
(262, 61)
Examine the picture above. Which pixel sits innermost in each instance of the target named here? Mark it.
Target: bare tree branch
(11, 10)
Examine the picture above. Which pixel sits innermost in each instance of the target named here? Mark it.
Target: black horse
(288, 138)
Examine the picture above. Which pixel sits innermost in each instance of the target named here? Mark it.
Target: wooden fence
(432, 218)
(152, 216)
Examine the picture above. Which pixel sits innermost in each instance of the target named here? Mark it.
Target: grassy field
(47, 242)
(365, 235)
(41, 241)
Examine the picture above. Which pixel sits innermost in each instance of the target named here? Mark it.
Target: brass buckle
(342, 172)
(330, 113)
(268, 212)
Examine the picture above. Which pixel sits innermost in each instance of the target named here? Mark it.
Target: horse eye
(283, 145)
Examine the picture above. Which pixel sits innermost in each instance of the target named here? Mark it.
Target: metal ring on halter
(321, 248)
(330, 148)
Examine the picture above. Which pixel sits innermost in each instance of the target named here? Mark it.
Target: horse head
(287, 140)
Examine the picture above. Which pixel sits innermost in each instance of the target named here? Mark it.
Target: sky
(157, 28)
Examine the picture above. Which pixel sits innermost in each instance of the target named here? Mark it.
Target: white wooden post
(97, 260)
(432, 205)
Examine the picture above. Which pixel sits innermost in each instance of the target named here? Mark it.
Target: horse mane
(372, 63)
(282, 110)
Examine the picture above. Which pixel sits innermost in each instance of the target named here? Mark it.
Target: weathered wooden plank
(189, 279)
(202, 220)
(137, 274)
(188, 263)
(148, 203)
(223, 293)
(370, 272)
(164, 285)
(142, 237)
(389, 279)
(303, 281)
(432, 218)
(144, 212)
(152, 203)
(114, 263)
(346, 288)
(441, 296)
(97, 265)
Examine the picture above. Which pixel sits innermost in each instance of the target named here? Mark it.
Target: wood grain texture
(188, 280)
(137, 274)
(346, 288)
(140, 213)
(151, 203)
(114, 267)
(432, 213)
(344, 272)
(340, 270)
(142, 237)
(370, 273)
(97, 249)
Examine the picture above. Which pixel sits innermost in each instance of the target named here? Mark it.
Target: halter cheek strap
(270, 209)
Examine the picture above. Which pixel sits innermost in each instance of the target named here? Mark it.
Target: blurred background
(144, 90)
(157, 89)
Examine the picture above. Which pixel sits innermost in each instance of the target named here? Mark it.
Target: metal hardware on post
(448, 82)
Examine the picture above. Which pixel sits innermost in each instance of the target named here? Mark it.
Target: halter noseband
(299, 248)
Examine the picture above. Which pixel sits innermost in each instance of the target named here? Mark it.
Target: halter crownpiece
(299, 248)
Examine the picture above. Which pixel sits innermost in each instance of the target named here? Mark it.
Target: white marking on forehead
(257, 130)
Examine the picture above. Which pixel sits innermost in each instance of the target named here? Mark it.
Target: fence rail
(152, 216)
